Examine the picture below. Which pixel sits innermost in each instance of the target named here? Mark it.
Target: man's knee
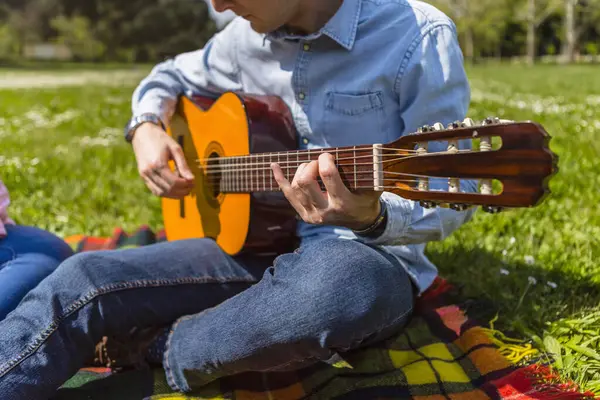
(84, 269)
(356, 288)
(348, 265)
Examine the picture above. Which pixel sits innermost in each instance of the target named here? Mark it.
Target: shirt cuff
(153, 105)
(398, 214)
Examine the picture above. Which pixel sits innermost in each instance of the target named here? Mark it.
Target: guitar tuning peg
(438, 126)
(454, 125)
(459, 207)
(425, 128)
(466, 123)
(491, 121)
(427, 204)
(492, 209)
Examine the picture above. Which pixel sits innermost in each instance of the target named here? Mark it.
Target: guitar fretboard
(253, 173)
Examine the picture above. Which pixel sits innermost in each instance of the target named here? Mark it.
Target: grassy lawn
(69, 171)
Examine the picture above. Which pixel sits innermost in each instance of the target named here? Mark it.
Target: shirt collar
(341, 27)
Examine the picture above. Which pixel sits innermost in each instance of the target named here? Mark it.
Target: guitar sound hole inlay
(214, 180)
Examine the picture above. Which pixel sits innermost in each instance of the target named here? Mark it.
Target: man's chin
(257, 26)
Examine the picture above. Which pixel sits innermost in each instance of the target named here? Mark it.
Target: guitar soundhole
(214, 175)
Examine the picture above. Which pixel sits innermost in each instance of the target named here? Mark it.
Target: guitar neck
(359, 167)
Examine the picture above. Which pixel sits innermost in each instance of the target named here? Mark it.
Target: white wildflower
(512, 240)
(552, 284)
(38, 117)
(110, 133)
(532, 280)
(504, 271)
(504, 253)
(88, 141)
(66, 116)
(593, 100)
(11, 162)
(529, 260)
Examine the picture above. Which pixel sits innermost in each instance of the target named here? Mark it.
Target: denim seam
(168, 370)
(378, 329)
(82, 302)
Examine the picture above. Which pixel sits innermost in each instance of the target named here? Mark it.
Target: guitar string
(296, 163)
(254, 183)
(255, 178)
(349, 180)
(330, 150)
(359, 173)
(277, 189)
(258, 182)
(235, 161)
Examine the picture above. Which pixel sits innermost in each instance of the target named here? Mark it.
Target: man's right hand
(153, 149)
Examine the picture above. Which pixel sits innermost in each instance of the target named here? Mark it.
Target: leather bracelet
(374, 229)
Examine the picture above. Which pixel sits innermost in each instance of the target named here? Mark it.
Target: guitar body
(232, 125)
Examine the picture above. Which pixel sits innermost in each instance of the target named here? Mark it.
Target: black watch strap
(377, 228)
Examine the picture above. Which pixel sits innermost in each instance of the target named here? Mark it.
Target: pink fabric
(4, 202)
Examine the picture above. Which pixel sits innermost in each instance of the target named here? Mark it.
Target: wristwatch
(138, 120)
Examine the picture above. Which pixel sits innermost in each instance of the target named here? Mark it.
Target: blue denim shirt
(379, 69)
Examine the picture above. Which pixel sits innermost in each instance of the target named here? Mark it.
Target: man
(351, 71)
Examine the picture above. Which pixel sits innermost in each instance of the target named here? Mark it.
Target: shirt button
(306, 47)
(305, 140)
(301, 96)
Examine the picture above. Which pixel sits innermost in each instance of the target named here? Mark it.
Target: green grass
(55, 66)
(68, 168)
(69, 171)
(557, 243)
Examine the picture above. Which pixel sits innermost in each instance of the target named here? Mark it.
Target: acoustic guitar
(230, 142)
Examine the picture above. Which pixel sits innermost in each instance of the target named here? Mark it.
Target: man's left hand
(337, 205)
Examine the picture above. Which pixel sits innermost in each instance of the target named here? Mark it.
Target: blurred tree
(481, 24)
(146, 30)
(534, 13)
(76, 34)
(580, 17)
(135, 30)
(9, 42)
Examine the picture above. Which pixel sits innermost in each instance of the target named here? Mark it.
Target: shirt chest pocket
(354, 118)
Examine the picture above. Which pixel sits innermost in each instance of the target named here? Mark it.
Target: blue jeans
(228, 315)
(27, 255)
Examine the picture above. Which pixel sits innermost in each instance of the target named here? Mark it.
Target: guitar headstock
(510, 162)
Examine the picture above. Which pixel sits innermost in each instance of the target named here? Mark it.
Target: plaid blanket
(442, 354)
